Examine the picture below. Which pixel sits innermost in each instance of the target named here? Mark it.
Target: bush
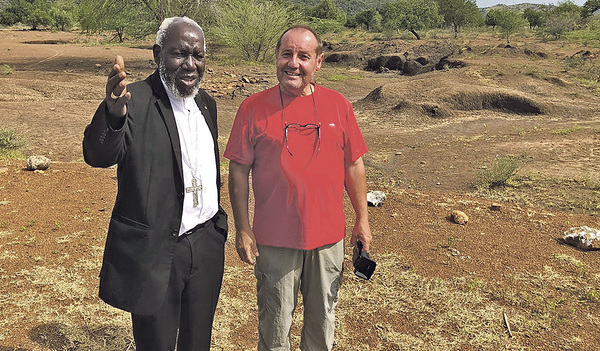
(323, 26)
(10, 142)
(498, 173)
(5, 69)
(252, 27)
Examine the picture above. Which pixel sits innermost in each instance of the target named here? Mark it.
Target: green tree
(562, 19)
(558, 24)
(64, 14)
(567, 7)
(491, 18)
(535, 18)
(327, 10)
(118, 16)
(39, 15)
(459, 13)
(199, 10)
(13, 14)
(590, 7)
(34, 13)
(411, 15)
(252, 27)
(510, 21)
(370, 19)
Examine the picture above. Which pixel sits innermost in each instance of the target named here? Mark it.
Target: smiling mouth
(188, 80)
(292, 74)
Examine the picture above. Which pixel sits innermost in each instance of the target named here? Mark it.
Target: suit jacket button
(174, 233)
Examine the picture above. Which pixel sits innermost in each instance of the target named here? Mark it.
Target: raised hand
(116, 89)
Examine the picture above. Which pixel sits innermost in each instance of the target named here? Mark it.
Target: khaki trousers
(280, 274)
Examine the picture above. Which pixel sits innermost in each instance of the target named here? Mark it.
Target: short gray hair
(162, 30)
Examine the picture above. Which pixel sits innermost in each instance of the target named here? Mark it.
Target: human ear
(156, 52)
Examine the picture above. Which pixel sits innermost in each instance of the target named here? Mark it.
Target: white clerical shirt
(197, 153)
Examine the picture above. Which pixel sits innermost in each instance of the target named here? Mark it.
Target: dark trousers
(187, 314)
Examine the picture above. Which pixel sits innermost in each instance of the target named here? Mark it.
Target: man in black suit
(164, 253)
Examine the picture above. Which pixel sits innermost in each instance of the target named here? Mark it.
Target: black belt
(198, 227)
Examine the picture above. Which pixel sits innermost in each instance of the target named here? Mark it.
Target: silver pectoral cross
(194, 189)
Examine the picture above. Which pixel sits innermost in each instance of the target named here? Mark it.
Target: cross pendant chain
(194, 189)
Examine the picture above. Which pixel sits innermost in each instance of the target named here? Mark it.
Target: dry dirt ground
(438, 285)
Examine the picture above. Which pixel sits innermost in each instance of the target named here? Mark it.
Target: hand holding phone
(364, 266)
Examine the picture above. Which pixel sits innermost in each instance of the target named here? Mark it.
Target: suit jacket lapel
(166, 111)
(210, 120)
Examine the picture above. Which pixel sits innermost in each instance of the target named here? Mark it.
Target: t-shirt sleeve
(355, 143)
(240, 147)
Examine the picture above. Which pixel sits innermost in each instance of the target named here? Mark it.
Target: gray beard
(169, 80)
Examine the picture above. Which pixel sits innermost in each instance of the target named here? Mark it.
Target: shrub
(5, 69)
(10, 142)
(498, 173)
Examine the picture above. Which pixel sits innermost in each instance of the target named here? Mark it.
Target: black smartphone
(364, 266)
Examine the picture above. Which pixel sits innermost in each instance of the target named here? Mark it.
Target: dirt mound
(514, 51)
(420, 59)
(396, 55)
(421, 100)
(470, 99)
(346, 58)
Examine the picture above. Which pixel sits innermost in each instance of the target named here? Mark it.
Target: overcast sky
(488, 3)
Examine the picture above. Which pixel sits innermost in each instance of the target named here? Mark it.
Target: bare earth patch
(438, 285)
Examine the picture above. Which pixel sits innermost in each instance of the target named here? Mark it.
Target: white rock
(38, 163)
(375, 198)
(582, 237)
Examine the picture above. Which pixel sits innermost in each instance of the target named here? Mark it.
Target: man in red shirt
(303, 145)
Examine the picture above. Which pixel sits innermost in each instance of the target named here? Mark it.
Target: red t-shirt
(298, 179)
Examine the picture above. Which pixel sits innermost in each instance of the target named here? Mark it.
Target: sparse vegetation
(253, 27)
(567, 130)
(498, 173)
(509, 22)
(6, 69)
(10, 142)
(420, 298)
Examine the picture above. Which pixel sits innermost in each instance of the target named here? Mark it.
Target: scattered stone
(375, 198)
(38, 163)
(459, 217)
(582, 237)
(98, 65)
(495, 206)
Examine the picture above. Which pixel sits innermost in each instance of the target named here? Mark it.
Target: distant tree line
(252, 26)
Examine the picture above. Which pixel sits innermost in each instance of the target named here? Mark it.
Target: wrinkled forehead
(301, 39)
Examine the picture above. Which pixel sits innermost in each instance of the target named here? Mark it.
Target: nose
(189, 63)
(293, 62)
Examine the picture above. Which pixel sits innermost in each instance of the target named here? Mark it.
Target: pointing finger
(120, 62)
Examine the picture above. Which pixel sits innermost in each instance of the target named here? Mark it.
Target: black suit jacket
(145, 221)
